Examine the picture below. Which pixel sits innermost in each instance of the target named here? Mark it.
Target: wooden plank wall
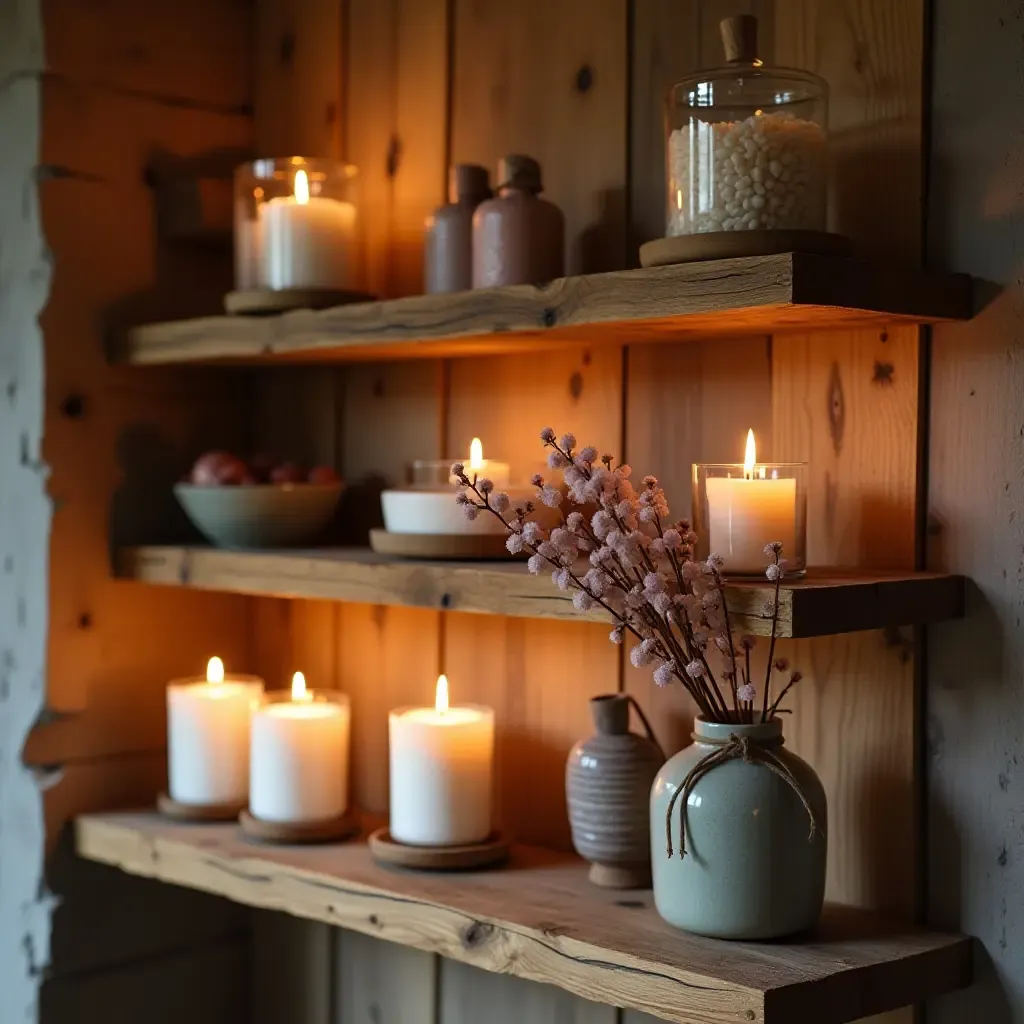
(130, 94)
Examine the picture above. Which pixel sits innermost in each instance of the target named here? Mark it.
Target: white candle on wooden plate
(746, 513)
(307, 241)
(441, 772)
(208, 722)
(300, 756)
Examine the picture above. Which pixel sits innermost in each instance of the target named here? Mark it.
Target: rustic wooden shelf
(826, 602)
(764, 294)
(541, 919)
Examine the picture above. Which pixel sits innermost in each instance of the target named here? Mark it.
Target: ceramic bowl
(259, 515)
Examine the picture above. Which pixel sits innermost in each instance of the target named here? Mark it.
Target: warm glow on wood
(750, 456)
(441, 695)
(299, 691)
(215, 671)
(301, 188)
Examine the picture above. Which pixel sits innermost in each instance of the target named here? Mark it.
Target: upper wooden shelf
(790, 291)
(540, 918)
(826, 602)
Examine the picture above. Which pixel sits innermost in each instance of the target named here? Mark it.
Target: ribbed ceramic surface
(608, 784)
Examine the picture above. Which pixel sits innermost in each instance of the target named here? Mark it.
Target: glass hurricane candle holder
(295, 225)
(736, 512)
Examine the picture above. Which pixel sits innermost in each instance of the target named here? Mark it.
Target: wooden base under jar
(723, 245)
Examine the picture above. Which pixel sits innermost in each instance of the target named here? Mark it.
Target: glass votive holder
(299, 756)
(296, 224)
(736, 512)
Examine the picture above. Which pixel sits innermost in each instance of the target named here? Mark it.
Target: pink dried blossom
(695, 669)
(596, 581)
(537, 480)
(551, 496)
(617, 634)
(462, 498)
(662, 603)
(643, 653)
(673, 540)
(574, 477)
(657, 547)
(532, 533)
(547, 549)
(748, 642)
(582, 601)
(625, 471)
(500, 502)
(485, 486)
(654, 583)
(556, 460)
(746, 692)
(650, 481)
(781, 664)
(458, 469)
(588, 454)
(567, 442)
(663, 674)
(715, 562)
(470, 512)
(535, 563)
(623, 509)
(514, 543)
(774, 548)
(573, 521)
(647, 514)
(796, 676)
(561, 578)
(563, 540)
(547, 435)
(690, 571)
(774, 572)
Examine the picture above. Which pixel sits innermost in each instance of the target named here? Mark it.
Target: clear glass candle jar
(296, 225)
(737, 511)
(745, 150)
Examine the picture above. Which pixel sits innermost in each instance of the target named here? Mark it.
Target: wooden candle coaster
(197, 812)
(330, 831)
(267, 301)
(439, 545)
(723, 245)
(493, 850)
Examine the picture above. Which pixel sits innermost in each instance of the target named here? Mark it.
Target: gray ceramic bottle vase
(752, 869)
(448, 256)
(518, 238)
(607, 785)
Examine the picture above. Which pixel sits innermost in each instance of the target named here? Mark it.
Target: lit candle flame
(215, 671)
(749, 457)
(301, 188)
(441, 695)
(299, 691)
(679, 198)
(476, 455)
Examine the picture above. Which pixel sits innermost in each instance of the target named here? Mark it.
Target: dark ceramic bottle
(518, 238)
(608, 786)
(448, 264)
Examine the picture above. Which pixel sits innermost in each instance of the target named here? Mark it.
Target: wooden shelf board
(826, 602)
(540, 918)
(750, 295)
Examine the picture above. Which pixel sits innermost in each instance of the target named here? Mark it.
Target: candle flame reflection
(476, 454)
(299, 691)
(749, 457)
(215, 671)
(441, 695)
(301, 188)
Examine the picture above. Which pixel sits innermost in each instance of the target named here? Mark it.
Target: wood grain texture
(824, 603)
(542, 920)
(752, 295)
(550, 81)
(377, 981)
(396, 129)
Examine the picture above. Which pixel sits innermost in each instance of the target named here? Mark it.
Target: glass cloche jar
(745, 146)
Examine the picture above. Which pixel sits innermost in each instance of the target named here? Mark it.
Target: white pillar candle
(300, 756)
(746, 513)
(499, 473)
(208, 723)
(441, 772)
(307, 241)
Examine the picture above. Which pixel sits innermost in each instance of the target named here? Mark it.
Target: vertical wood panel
(517, 88)
(381, 983)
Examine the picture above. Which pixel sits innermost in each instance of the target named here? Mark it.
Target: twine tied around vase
(748, 750)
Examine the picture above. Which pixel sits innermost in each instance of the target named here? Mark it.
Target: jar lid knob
(520, 172)
(468, 181)
(739, 37)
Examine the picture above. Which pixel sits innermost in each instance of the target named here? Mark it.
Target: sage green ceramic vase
(751, 870)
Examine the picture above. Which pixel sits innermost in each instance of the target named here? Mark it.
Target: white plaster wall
(975, 720)
(24, 513)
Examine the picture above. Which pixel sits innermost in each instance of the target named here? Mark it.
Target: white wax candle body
(434, 511)
(441, 775)
(300, 761)
(208, 740)
(746, 514)
(307, 245)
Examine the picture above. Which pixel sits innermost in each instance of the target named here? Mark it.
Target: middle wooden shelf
(824, 603)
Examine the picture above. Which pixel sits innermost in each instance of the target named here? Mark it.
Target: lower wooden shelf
(539, 918)
(826, 602)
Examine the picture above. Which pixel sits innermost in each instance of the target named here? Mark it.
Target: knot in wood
(550, 317)
(476, 934)
(584, 78)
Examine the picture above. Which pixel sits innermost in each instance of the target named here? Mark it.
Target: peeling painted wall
(24, 513)
(975, 723)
